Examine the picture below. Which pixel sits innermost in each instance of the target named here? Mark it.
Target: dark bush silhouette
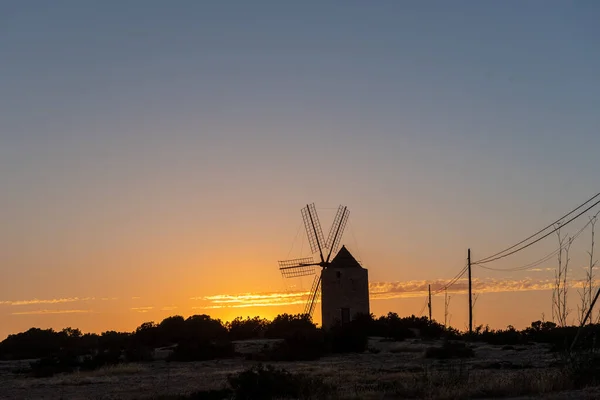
(172, 329)
(34, 343)
(49, 366)
(203, 327)
(508, 336)
(450, 350)
(249, 328)
(261, 382)
(148, 334)
(201, 337)
(285, 325)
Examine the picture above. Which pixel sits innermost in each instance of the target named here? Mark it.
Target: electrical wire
(495, 256)
(546, 257)
(295, 238)
(451, 281)
(355, 243)
(490, 259)
(423, 309)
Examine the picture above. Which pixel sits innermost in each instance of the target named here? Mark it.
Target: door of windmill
(345, 315)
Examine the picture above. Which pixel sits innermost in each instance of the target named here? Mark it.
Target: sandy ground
(356, 375)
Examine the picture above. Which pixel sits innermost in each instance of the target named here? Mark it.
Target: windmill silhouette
(306, 266)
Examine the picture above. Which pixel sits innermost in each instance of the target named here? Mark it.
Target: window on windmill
(353, 285)
(338, 274)
(345, 315)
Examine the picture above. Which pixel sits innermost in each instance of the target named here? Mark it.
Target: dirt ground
(494, 372)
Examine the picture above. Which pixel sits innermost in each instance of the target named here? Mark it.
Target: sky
(154, 156)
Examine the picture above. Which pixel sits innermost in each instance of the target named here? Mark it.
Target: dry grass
(408, 349)
(398, 371)
(119, 369)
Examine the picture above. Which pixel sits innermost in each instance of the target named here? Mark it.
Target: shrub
(449, 350)
(261, 382)
(298, 347)
(103, 358)
(583, 369)
(49, 366)
(286, 325)
(243, 329)
(136, 353)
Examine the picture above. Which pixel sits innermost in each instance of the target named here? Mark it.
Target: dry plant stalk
(560, 311)
(446, 308)
(587, 292)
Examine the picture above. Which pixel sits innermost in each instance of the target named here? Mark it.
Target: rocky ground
(390, 370)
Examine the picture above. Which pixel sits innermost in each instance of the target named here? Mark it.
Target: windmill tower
(342, 281)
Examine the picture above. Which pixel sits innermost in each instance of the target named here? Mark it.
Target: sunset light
(410, 171)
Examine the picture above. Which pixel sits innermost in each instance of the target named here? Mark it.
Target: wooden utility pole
(446, 304)
(470, 294)
(429, 304)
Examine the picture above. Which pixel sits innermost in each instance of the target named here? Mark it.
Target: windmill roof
(343, 259)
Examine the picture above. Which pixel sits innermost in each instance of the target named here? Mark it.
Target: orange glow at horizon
(405, 298)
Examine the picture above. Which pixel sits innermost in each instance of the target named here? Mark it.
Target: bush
(261, 382)
(103, 358)
(201, 351)
(244, 329)
(49, 366)
(449, 350)
(286, 325)
(136, 353)
(583, 369)
(299, 347)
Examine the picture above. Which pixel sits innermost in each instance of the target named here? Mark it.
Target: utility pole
(446, 304)
(429, 304)
(470, 294)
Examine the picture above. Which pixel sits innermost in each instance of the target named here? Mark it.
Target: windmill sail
(306, 266)
(313, 229)
(337, 230)
(313, 296)
(297, 267)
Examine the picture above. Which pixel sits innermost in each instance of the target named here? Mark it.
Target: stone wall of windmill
(345, 290)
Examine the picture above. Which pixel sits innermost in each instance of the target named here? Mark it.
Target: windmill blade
(313, 296)
(297, 267)
(313, 229)
(337, 230)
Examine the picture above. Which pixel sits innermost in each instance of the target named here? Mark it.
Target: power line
(489, 259)
(452, 281)
(423, 309)
(495, 256)
(295, 238)
(546, 257)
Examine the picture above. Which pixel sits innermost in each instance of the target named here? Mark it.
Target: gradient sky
(154, 154)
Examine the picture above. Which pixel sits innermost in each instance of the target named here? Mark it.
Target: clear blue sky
(156, 139)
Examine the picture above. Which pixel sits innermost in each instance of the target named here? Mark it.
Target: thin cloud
(250, 296)
(377, 290)
(252, 300)
(45, 301)
(141, 309)
(169, 308)
(50, 312)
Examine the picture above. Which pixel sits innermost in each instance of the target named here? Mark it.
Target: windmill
(306, 266)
